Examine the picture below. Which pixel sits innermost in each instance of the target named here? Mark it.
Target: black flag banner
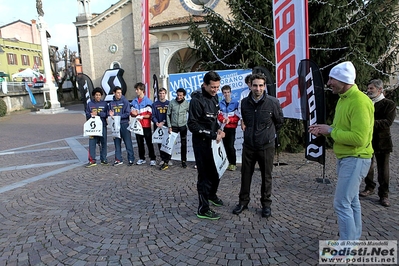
(311, 86)
(85, 86)
(155, 86)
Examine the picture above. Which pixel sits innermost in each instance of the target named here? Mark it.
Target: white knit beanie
(344, 72)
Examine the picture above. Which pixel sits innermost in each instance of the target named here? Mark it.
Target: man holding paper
(98, 107)
(202, 122)
(176, 117)
(159, 109)
(229, 118)
(142, 110)
(120, 106)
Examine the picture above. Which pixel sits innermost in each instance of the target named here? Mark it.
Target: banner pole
(145, 46)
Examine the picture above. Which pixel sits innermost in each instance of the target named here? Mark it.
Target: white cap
(344, 72)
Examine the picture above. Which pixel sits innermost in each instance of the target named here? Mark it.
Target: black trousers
(208, 177)
(382, 160)
(228, 142)
(164, 156)
(183, 141)
(265, 161)
(148, 140)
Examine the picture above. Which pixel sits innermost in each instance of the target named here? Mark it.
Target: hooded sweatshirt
(121, 108)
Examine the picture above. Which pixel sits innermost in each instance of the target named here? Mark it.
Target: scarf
(378, 98)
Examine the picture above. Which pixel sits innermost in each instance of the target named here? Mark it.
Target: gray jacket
(176, 115)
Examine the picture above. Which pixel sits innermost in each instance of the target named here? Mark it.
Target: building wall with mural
(115, 36)
(166, 10)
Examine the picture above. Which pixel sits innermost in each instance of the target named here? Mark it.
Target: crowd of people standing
(260, 116)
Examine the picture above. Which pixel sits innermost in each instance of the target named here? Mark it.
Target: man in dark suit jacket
(384, 115)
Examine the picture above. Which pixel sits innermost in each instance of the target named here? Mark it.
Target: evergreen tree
(364, 32)
(361, 31)
(244, 40)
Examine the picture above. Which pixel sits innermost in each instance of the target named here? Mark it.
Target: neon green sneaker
(217, 202)
(211, 215)
(90, 164)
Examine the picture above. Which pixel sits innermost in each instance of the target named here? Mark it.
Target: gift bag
(159, 134)
(168, 142)
(93, 127)
(136, 127)
(220, 157)
(114, 123)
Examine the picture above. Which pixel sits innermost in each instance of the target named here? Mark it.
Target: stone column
(49, 85)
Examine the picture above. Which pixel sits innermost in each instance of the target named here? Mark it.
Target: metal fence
(19, 87)
(12, 87)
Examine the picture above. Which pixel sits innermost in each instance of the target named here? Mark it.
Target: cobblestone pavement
(56, 212)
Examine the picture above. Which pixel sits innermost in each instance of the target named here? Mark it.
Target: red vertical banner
(145, 46)
(291, 44)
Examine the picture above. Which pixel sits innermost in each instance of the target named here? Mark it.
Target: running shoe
(211, 215)
(90, 164)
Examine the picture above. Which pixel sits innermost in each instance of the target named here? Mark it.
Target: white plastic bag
(115, 125)
(136, 127)
(169, 142)
(220, 157)
(159, 134)
(93, 127)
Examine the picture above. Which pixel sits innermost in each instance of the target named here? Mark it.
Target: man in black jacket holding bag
(262, 116)
(203, 123)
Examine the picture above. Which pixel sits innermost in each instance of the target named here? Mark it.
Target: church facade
(113, 38)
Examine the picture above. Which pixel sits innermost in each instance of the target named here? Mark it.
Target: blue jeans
(350, 171)
(92, 146)
(127, 139)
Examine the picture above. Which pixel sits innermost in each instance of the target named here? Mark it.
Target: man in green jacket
(352, 131)
(176, 118)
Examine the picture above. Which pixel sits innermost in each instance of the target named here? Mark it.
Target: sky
(58, 14)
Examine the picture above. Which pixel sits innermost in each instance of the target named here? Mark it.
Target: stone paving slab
(140, 215)
(51, 145)
(15, 175)
(37, 157)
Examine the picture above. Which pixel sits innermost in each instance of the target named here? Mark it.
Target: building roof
(178, 21)
(96, 18)
(15, 22)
